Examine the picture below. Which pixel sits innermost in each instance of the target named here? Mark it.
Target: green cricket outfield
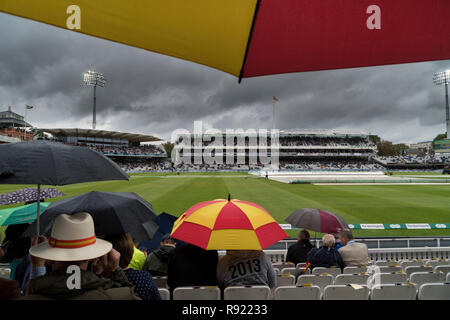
(357, 204)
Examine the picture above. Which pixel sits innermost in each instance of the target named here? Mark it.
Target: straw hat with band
(72, 239)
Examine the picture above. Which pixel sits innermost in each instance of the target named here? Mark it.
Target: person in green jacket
(76, 258)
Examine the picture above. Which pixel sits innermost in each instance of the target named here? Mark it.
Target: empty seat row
(404, 291)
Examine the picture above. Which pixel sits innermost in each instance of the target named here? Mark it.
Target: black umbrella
(27, 195)
(50, 163)
(113, 213)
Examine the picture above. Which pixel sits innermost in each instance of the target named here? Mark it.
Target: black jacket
(324, 257)
(297, 252)
(192, 266)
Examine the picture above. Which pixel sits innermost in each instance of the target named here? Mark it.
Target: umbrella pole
(38, 209)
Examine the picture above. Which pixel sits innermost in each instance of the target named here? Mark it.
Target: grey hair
(328, 240)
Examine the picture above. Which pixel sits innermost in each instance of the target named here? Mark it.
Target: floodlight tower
(92, 78)
(443, 78)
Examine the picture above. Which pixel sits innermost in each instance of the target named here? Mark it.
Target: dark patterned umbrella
(27, 195)
(317, 220)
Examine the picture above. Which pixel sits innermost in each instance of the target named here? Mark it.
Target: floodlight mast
(92, 78)
(443, 78)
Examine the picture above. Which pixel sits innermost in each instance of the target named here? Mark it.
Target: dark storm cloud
(154, 94)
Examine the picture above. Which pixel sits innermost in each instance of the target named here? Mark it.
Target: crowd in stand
(329, 165)
(165, 165)
(414, 159)
(113, 268)
(326, 142)
(130, 151)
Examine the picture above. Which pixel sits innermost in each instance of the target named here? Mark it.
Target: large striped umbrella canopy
(248, 38)
(228, 225)
(317, 220)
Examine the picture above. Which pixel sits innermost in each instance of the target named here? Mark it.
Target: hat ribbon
(72, 244)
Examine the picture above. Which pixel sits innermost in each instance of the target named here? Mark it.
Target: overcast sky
(148, 93)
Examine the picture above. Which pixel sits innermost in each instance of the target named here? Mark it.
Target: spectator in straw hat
(73, 244)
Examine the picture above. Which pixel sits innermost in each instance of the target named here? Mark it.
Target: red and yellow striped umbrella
(228, 225)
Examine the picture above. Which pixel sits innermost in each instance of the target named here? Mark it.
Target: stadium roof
(101, 134)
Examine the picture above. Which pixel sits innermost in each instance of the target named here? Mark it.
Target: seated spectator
(353, 253)
(325, 256)
(245, 268)
(158, 260)
(298, 251)
(144, 286)
(59, 253)
(190, 265)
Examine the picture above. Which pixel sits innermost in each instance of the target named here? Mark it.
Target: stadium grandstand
(299, 150)
(12, 127)
(126, 149)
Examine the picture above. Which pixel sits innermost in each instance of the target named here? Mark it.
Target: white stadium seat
(400, 291)
(388, 278)
(354, 270)
(285, 280)
(247, 293)
(345, 292)
(288, 270)
(331, 271)
(165, 294)
(420, 278)
(297, 293)
(196, 293)
(412, 269)
(444, 268)
(434, 291)
(316, 280)
(351, 278)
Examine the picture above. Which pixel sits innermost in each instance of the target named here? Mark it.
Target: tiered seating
(407, 282)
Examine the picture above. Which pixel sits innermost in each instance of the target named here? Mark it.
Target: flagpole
(273, 116)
